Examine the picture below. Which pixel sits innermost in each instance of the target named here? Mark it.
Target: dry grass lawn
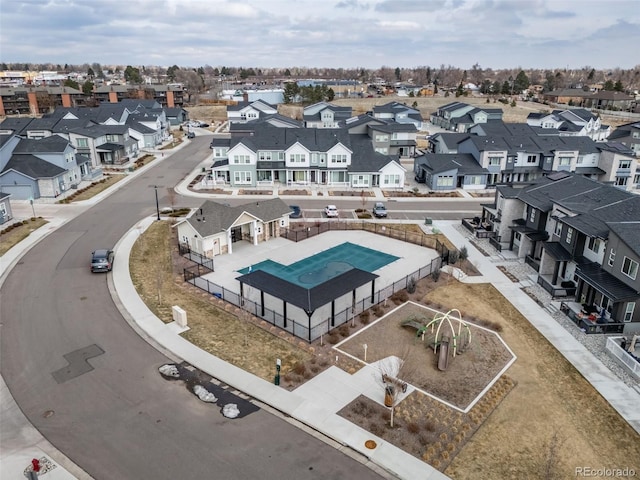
(542, 420)
(14, 235)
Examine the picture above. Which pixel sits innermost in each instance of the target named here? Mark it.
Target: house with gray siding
(448, 171)
(581, 236)
(247, 111)
(324, 115)
(459, 117)
(399, 113)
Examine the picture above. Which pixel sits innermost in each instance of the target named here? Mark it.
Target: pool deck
(410, 257)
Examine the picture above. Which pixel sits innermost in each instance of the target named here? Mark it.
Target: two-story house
(459, 117)
(448, 171)
(574, 122)
(248, 111)
(570, 229)
(620, 166)
(38, 168)
(324, 115)
(628, 135)
(302, 156)
(399, 113)
(393, 138)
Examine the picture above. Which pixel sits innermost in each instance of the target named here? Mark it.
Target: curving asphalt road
(121, 420)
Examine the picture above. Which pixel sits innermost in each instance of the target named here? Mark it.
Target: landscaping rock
(204, 394)
(230, 410)
(169, 370)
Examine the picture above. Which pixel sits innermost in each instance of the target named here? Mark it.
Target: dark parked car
(101, 260)
(191, 135)
(203, 125)
(295, 211)
(379, 210)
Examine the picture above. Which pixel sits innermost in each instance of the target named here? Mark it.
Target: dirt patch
(293, 192)
(508, 274)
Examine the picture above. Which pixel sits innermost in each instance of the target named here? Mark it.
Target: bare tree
(550, 464)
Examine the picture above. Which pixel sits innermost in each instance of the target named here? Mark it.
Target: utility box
(179, 316)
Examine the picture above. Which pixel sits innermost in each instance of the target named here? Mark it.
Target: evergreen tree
(521, 82)
(87, 87)
(618, 86)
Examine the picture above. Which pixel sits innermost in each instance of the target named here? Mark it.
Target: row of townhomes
(45, 157)
(329, 147)
(583, 239)
(489, 152)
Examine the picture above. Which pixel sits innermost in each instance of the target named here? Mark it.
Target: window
(242, 177)
(3, 209)
(580, 159)
(532, 215)
(445, 181)
(474, 180)
(630, 268)
(621, 181)
(381, 150)
(565, 161)
(391, 180)
(265, 156)
(569, 235)
(494, 161)
(625, 164)
(338, 159)
(241, 159)
(532, 159)
(82, 143)
(594, 244)
(612, 257)
(628, 311)
(382, 138)
(297, 158)
(558, 229)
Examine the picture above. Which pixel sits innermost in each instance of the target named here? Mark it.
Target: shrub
(464, 254)
(344, 330)
(435, 275)
(413, 427)
(412, 285)
(400, 297)
(364, 317)
(453, 256)
(429, 426)
(333, 338)
(376, 429)
(378, 311)
(299, 368)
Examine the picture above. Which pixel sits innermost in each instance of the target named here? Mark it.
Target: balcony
(479, 228)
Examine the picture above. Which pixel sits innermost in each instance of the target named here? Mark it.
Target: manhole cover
(48, 414)
(370, 444)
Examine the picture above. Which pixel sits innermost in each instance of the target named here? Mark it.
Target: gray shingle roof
(213, 217)
(33, 167)
(51, 144)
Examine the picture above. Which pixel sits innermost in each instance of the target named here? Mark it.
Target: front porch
(589, 318)
(563, 288)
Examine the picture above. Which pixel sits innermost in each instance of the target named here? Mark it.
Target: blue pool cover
(321, 267)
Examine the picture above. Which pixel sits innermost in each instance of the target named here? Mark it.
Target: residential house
(393, 138)
(213, 228)
(574, 122)
(446, 142)
(247, 111)
(448, 171)
(5, 207)
(304, 156)
(629, 135)
(582, 237)
(610, 100)
(399, 113)
(324, 115)
(242, 129)
(620, 166)
(459, 117)
(37, 168)
(569, 96)
(176, 115)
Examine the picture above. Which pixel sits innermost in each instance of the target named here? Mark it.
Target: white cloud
(335, 33)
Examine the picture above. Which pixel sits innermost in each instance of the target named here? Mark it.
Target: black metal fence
(421, 239)
(205, 262)
(294, 326)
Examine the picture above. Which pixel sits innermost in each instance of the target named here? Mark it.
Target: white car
(331, 211)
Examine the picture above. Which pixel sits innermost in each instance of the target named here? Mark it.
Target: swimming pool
(323, 266)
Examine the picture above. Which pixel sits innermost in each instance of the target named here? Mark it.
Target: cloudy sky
(323, 33)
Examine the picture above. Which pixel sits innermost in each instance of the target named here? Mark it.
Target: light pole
(157, 204)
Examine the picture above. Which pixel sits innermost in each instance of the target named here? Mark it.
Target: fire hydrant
(35, 464)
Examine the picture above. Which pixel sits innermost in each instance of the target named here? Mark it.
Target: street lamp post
(157, 204)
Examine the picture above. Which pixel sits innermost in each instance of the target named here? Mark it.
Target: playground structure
(456, 341)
